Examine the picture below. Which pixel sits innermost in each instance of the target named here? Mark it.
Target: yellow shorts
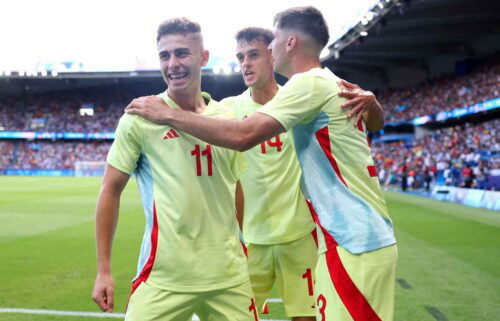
(291, 266)
(356, 286)
(149, 303)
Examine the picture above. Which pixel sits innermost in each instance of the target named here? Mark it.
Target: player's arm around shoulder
(362, 104)
(108, 204)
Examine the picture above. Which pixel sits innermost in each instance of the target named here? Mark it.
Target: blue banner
(56, 135)
(452, 113)
(38, 172)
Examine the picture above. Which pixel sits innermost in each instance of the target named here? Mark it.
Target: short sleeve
(303, 97)
(295, 102)
(127, 146)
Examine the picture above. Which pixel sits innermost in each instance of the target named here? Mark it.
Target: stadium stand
(50, 155)
(60, 112)
(443, 93)
(441, 157)
(463, 156)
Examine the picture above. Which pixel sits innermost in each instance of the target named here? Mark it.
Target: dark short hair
(177, 26)
(255, 33)
(308, 20)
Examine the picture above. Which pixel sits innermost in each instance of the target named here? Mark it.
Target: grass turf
(448, 254)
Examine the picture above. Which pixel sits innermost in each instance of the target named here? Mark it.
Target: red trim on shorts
(148, 267)
(372, 171)
(266, 309)
(351, 297)
(324, 141)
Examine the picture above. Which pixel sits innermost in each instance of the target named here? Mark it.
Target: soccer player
(191, 258)
(277, 226)
(355, 274)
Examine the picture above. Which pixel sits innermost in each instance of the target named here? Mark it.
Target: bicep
(114, 180)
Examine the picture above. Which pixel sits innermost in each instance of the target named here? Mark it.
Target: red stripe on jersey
(174, 133)
(315, 236)
(313, 214)
(329, 240)
(360, 125)
(372, 171)
(353, 299)
(324, 141)
(148, 267)
(244, 248)
(170, 135)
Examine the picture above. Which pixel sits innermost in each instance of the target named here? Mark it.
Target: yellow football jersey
(192, 239)
(275, 208)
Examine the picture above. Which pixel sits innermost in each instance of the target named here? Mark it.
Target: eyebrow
(163, 52)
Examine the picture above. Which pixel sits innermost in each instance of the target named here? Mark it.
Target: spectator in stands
(466, 156)
(443, 94)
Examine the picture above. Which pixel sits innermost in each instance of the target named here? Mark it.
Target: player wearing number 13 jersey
(191, 260)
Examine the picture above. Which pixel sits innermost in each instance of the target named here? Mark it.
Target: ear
(204, 58)
(291, 42)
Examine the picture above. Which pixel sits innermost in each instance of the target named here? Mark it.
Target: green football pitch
(448, 269)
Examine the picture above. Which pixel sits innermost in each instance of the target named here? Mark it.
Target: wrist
(104, 269)
(170, 115)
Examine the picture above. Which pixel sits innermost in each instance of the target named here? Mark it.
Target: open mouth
(248, 75)
(177, 75)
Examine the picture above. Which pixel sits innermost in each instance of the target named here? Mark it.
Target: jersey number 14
(276, 144)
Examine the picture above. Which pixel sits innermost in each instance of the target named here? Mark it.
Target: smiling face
(256, 63)
(181, 58)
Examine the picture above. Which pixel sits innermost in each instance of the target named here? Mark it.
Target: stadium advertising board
(471, 197)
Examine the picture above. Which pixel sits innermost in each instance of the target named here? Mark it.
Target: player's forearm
(375, 118)
(226, 133)
(106, 219)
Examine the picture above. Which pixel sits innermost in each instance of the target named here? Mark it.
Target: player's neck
(264, 94)
(189, 101)
(302, 64)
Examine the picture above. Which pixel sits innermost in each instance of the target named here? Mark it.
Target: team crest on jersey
(170, 134)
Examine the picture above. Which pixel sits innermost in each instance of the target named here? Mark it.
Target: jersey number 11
(206, 152)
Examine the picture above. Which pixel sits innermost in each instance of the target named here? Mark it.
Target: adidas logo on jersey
(171, 134)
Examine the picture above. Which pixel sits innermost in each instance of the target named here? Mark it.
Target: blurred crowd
(50, 155)
(442, 94)
(61, 112)
(464, 156)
